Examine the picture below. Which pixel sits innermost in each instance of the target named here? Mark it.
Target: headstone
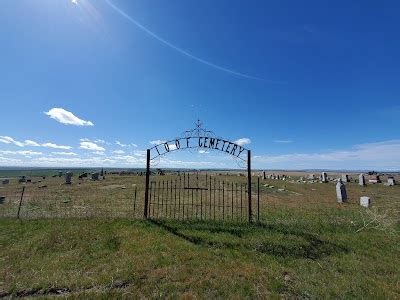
(324, 177)
(95, 176)
(68, 178)
(264, 175)
(341, 193)
(102, 172)
(22, 179)
(365, 201)
(391, 181)
(311, 177)
(374, 179)
(345, 178)
(6, 181)
(361, 179)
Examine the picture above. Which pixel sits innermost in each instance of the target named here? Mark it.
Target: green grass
(291, 254)
(306, 246)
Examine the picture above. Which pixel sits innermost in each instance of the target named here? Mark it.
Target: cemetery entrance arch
(193, 194)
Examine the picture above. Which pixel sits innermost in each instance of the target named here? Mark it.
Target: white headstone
(365, 201)
(324, 177)
(345, 178)
(361, 179)
(341, 193)
(391, 181)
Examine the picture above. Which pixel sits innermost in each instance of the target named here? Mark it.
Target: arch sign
(199, 142)
(198, 139)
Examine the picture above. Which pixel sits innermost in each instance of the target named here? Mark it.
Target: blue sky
(310, 84)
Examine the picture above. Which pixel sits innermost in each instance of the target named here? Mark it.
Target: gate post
(249, 183)
(146, 192)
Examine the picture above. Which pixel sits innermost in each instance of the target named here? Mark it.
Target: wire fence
(31, 204)
(188, 196)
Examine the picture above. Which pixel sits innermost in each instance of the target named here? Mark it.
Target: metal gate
(195, 196)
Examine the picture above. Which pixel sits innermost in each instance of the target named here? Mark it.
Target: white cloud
(118, 152)
(24, 153)
(100, 141)
(65, 117)
(156, 142)
(10, 140)
(55, 146)
(125, 145)
(99, 153)
(65, 153)
(5, 161)
(140, 153)
(172, 147)
(243, 141)
(203, 152)
(283, 141)
(380, 156)
(91, 146)
(31, 143)
(120, 144)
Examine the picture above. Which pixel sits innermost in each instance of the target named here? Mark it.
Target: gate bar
(249, 183)
(146, 193)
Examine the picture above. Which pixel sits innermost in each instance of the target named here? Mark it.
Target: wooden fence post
(20, 202)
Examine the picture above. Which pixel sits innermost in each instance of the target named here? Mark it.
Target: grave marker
(365, 201)
(345, 178)
(324, 177)
(68, 178)
(341, 193)
(361, 179)
(391, 181)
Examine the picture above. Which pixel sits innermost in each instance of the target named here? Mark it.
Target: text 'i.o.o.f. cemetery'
(201, 142)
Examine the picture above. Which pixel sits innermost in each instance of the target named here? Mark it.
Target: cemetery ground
(85, 241)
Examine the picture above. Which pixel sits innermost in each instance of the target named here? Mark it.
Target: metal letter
(166, 147)
(211, 144)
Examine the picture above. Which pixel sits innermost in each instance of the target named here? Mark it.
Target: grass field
(306, 246)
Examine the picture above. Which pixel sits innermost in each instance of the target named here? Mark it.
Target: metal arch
(201, 134)
(182, 143)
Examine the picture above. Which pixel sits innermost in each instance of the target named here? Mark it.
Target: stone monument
(361, 179)
(341, 193)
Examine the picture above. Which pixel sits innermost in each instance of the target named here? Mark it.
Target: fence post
(146, 193)
(249, 183)
(258, 199)
(20, 202)
(134, 203)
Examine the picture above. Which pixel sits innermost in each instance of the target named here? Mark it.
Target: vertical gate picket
(258, 199)
(223, 200)
(175, 199)
(232, 200)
